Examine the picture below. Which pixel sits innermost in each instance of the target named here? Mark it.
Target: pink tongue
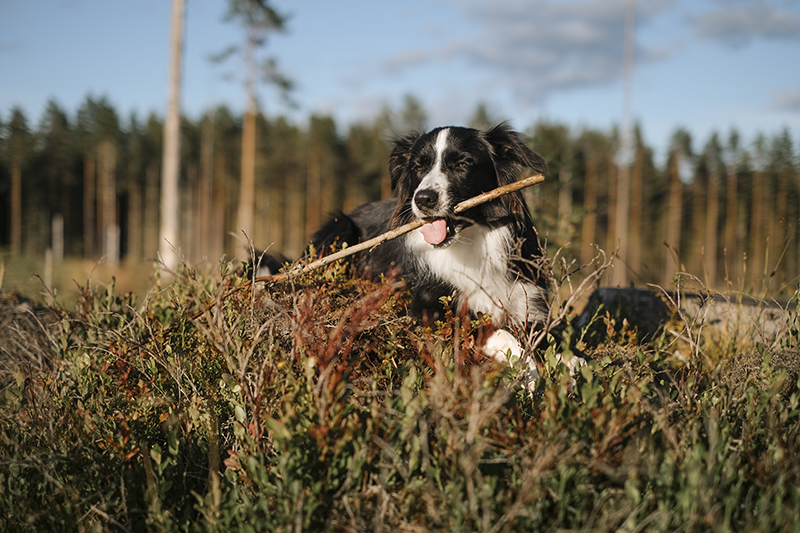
(434, 232)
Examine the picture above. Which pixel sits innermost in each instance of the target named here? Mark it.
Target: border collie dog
(488, 257)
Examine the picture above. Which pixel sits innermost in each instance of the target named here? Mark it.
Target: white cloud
(788, 99)
(541, 46)
(537, 48)
(739, 25)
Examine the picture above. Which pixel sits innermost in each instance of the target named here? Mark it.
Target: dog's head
(435, 171)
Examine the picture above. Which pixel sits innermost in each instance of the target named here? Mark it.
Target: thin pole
(620, 274)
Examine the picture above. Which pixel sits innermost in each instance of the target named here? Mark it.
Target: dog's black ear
(398, 160)
(511, 152)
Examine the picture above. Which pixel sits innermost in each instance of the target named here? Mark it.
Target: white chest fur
(477, 264)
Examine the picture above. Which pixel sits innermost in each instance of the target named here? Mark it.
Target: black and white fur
(490, 259)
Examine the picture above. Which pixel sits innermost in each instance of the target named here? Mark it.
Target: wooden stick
(393, 234)
(380, 239)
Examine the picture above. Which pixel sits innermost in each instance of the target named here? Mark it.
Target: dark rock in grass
(648, 311)
(644, 310)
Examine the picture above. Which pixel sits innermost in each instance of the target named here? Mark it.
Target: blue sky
(706, 65)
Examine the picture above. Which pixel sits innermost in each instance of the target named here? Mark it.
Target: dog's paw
(574, 363)
(505, 348)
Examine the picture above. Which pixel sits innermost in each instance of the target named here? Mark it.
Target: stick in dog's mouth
(402, 230)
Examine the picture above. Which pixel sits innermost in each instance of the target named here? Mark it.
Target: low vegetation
(318, 405)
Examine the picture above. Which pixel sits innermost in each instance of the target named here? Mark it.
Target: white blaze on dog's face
(434, 182)
(431, 198)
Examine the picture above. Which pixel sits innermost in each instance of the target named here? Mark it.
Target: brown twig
(380, 239)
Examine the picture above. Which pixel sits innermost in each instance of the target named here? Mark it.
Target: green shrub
(317, 405)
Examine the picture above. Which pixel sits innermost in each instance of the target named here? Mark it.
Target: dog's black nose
(426, 199)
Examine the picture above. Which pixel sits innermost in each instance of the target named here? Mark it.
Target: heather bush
(319, 405)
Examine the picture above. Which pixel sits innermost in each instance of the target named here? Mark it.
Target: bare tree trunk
(206, 188)
(244, 220)
(613, 190)
(108, 211)
(589, 222)
(635, 230)
(89, 206)
(48, 275)
(16, 208)
(757, 237)
(219, 207)
(313, 187)
(190, 224)
(170, 173)
(295, 206)
(564, 202)
(672, 261)
(619, 275)
(699, 212)
(712, 226)
(57, 236)
(731, 216)
(275, 213)
(135, 233)
(151, 212)
(780, 221)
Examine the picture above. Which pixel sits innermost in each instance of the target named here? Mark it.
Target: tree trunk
(589, 222)
(244, 220)
(206, 188)
(779, 226)
(151, 212)
(89, 206)
(635, 230)
(135, 233)
(57, 237)
(170, 203)
(564, 202)
(16, 208)
(109, 229)
(313, 186)
(221, 185)
(712, 227)
(613, 190)
(619, 275)
(276, 211)
(699, 197)
(731, 216)
(672, 261)
(758, 247)
(295, 206)
(190, 226)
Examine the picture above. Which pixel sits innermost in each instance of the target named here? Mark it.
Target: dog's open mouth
(442, 232)
(435, 232)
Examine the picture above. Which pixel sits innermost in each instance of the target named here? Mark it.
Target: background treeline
(87, 186)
